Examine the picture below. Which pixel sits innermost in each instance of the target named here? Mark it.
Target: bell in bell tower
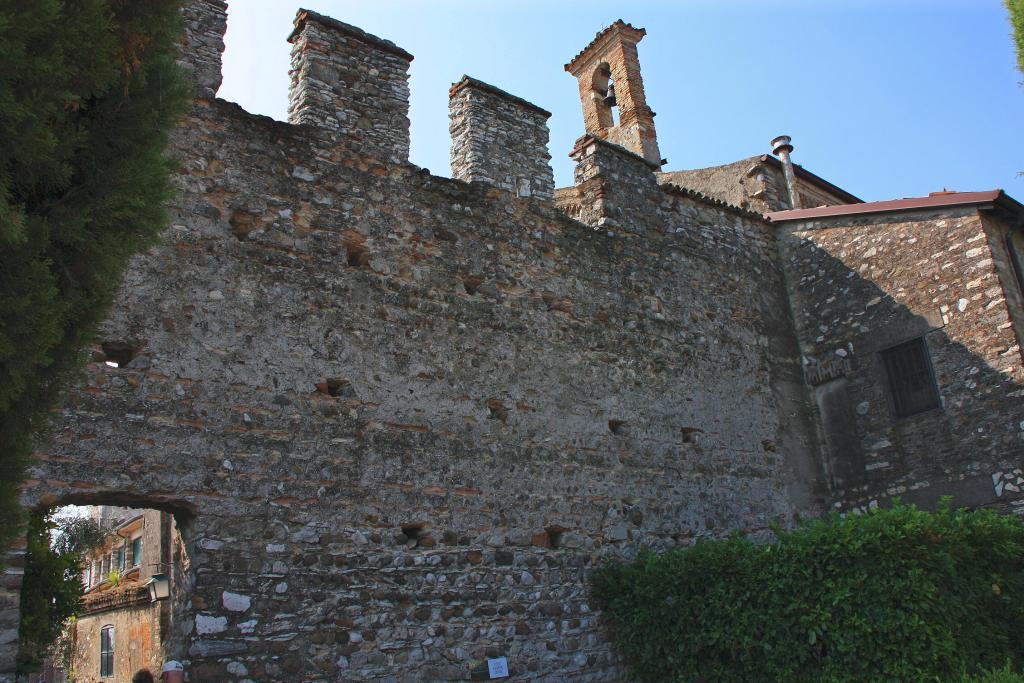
(612, 92)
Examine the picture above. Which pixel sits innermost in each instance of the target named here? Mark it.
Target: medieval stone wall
(400, 417)
(388, 395)
(861, 284)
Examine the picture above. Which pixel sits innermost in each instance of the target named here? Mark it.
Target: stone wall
(350, 85)
(862, 284)
(756, 184)
(388, 395)
(742, 183)
(405, 415)
(499, 139)
(614, 188)
(399, 418)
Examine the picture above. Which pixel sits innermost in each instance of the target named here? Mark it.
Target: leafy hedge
(1004, 675)
(895, 594)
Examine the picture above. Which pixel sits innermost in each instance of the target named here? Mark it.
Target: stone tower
(610, 61)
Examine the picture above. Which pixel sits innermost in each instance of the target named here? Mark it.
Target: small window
(120, 559)
(107, 651)
(911, 381)
(137, 551)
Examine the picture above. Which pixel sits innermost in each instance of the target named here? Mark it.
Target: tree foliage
(894, 595)
(1016, 9)
(88, 91)
(52, 589)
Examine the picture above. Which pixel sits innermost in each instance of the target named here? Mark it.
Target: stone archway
(121, 627)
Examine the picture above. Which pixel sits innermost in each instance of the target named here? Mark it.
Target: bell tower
(612, 92)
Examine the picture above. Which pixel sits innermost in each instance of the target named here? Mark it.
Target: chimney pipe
(781, 147)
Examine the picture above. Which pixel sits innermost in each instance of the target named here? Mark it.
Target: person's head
(142, 676)
(172, 672)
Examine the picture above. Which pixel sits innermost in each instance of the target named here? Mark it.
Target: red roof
(932, 201)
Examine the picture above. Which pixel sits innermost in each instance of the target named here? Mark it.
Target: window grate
(911, 381)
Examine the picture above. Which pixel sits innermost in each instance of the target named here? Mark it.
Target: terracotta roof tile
(932, 201)
(618, 24)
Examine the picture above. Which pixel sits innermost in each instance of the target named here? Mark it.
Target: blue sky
(886, 98)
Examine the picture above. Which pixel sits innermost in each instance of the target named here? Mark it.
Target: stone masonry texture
(756, 183)
(499, 139)
(350, 86)
(860, 285)
(398, 418)
(405, 415)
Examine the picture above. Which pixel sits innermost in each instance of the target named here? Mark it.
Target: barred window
(107, 651)
(911, 381)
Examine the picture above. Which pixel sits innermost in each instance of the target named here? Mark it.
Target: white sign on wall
(498, 668)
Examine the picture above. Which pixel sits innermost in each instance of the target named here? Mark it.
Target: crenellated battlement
(350, 89)
(202, 44)
(350, 85)
(499, 139)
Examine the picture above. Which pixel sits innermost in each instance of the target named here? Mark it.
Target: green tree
(1016, 8)
(52, 589)
(88, 91)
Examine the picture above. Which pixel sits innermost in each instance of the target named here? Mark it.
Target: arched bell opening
(603, 92)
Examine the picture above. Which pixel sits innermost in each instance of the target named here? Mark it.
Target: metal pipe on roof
(781, 147)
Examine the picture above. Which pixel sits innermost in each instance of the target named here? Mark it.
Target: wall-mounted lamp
(159, 587)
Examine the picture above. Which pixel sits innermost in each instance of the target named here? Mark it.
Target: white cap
(172, 665)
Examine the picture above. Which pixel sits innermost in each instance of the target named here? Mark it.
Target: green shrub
(1004, 675)
(895, 595)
